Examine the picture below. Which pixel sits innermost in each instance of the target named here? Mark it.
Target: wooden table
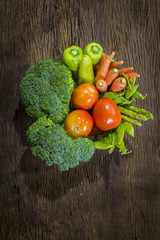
(112, 196)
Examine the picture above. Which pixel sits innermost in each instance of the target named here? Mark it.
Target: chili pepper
(72, 57)
(95, 51)
(85, 72)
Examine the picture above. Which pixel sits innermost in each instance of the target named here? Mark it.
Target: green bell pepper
(95, 51)
(72, 57)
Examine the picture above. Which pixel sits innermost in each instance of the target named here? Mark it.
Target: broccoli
(46, 90)
(51, 143)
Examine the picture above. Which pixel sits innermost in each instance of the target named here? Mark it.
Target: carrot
(132, 75)
(97, 67)
(115, 64)
(125, 70)
(104, 68)
(118, 84)
(111, 76)
(101, 85)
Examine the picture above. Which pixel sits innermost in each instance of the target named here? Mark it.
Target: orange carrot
(104, 68)
(115, 64)
(132, 75)
(125, 70)
(98, 66)
(111, 76)
(118, 84)
(101, 85)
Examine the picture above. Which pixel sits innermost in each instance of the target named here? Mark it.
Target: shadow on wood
(51, 183)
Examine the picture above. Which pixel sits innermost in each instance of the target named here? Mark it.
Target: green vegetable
(131, 120)
(72, 57)
(95, 51)
(46, 90)
(122, 101)
(133, 114)
(128, 127)
(147, 114)
(122, 148)
(120, 133)
(138, 95)
(110, 140)
(51, 143)
(101, 146)
(130, 91)
(86, 73)
(112, 95)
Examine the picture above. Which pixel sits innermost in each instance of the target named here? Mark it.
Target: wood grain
(110, 197)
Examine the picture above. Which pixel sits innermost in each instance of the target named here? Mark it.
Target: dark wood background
(110, 197)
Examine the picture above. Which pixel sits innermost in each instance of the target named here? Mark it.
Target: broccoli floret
(46, 90)
(51, 143)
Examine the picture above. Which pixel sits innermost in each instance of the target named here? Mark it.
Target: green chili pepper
(85, 72)
(72, 57)
(95, 51)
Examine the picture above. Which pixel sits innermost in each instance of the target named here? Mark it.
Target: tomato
(85, 96)
(106, 114)
(79, 123)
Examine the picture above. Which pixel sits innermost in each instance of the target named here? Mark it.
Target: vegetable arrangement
(87, 94)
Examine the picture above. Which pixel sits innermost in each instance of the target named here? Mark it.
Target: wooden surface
(110, 197)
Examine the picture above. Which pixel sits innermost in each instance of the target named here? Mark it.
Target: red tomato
(85, 96)
(106, 114)
(79, 123)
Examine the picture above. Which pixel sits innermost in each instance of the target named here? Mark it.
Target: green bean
(132, 114)
(141, 110)
(131, 120)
